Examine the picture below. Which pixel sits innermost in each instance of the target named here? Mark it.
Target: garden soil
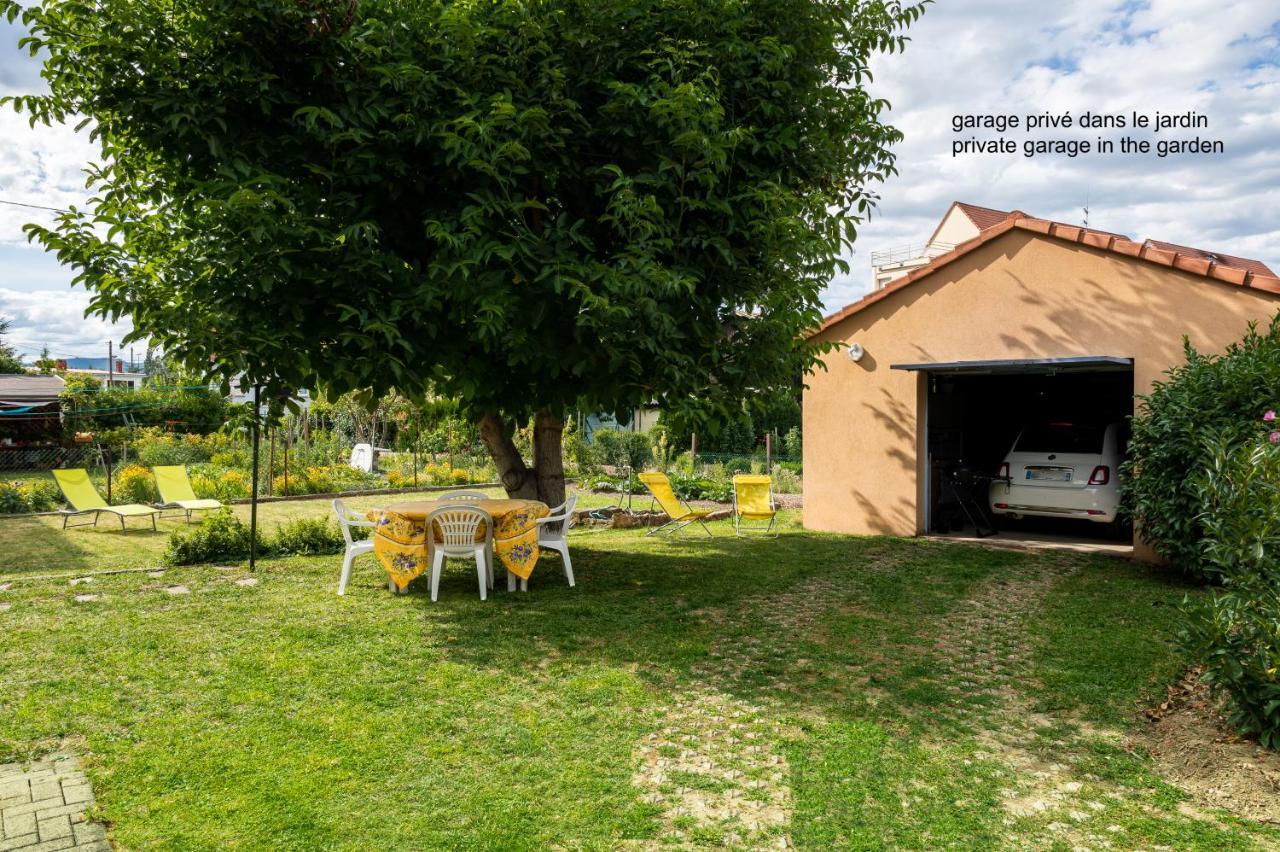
(1195, 750)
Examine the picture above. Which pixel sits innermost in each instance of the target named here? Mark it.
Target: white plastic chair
(346, 520)
(552, 534)
(461, 497)
(458, 526)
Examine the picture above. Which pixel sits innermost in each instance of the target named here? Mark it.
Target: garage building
(1028, 322)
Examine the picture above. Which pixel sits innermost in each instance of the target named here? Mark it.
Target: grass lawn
(829, 691)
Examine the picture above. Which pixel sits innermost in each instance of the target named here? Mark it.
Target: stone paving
(42, 807)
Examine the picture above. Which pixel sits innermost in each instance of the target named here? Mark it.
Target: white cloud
(56, 319)
(1004, 56)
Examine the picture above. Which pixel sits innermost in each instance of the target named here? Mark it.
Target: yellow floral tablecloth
(400, 537)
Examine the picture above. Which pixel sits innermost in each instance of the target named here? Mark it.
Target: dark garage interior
(975, 413)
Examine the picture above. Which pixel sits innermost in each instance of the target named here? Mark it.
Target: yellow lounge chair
(753, 501)
(176, 492)
(84, 498)
(680, 512)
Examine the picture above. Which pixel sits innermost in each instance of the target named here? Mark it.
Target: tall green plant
(1208, 398)
(1235, 634)
(531, 206)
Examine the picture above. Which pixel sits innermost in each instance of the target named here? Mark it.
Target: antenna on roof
(1086, 209)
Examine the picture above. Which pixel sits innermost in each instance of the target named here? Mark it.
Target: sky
(1219, 58)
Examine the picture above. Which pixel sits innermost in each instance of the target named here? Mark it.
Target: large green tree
(529, 204)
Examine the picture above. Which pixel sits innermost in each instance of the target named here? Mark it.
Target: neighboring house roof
(981, 217)
(1191, 260)
(1257, 267)
(23, 391)
(984, 217)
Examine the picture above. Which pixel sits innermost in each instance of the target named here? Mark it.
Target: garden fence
(36, 462)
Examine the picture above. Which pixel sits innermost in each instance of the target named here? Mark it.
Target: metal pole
(271, 465)
(417, 434)
(287, 436)
(253, 502)
(108, 451)
(111, 366)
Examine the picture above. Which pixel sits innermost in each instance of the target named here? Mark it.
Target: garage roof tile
(1219, 267)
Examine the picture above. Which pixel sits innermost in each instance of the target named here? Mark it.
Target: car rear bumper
(1093, 503)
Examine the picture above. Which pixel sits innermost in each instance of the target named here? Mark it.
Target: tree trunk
(548, 459)
(515, 475)
(545, 481)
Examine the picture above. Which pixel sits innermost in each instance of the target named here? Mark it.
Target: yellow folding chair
(680, 512)
(176, 492)
(753, 503)
(84, 498)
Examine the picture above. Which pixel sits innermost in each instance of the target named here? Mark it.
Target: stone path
(42, 807)
(711, 769)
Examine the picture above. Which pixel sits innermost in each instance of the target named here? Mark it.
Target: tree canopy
(528, 204)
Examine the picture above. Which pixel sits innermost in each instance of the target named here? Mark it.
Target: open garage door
(1072, 416)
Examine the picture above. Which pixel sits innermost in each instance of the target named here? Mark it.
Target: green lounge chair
(176, 492)
(84, 498)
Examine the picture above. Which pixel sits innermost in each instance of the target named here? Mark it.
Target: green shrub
(220, 537)
(786, 481)
(1235, 635)
(577, 452)
(42, 496)
(18, 498)
(134, 484)
(1201, 401)
(737, 437)
(793, 443)
(701, 488)
(619, 449)
(12, 500)
(210, 483)
(157, 448)
(738, 464)
(309, 537)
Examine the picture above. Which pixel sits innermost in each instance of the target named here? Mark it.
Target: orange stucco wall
(1019, 296)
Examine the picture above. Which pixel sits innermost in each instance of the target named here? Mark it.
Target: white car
(1061, 470)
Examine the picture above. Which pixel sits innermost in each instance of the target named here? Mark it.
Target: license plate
(1049, 474)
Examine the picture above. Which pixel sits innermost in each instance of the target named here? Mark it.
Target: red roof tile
(983, 217)
(1255, 266)
(1166, 254)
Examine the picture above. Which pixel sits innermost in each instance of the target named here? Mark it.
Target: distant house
(106, 373)
(302, 396)
(962, 222)
(641, 419)
(114, 378)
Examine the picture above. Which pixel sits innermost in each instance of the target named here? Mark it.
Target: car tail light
(1094, 512)
(1101, 475)
(1002, 505)
(1004, 471)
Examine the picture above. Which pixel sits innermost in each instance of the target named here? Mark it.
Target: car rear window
(1061, 438)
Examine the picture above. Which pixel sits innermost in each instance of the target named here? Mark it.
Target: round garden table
(400, 537)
